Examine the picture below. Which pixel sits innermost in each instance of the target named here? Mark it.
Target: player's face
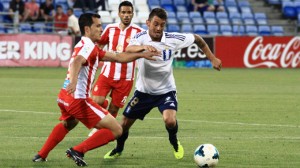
(95, 30)
(126, 14)
(156, 27)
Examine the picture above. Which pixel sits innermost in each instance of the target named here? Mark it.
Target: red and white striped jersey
(117, 41)
(92, 53)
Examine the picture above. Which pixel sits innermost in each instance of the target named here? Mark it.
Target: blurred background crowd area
(204, 17)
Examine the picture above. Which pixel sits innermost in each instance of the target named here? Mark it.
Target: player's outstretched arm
(140, 48)
(217, 63)
(128, 57)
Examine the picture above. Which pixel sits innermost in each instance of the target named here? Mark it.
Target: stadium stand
(241, 17)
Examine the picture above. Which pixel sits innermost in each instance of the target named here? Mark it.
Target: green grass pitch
(250, 115)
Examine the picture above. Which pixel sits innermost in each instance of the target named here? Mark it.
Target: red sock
(100, 138)
(56, 136)
(115, 114)
(105, 104)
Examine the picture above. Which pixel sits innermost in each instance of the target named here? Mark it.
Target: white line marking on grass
(181, 120)
(182, 137)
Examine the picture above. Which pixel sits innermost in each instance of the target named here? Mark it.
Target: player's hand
(217, 64)
(150, 55)
(149, 48)
(71, 88)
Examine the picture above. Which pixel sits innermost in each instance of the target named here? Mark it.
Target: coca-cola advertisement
(35, 50)
(258, 51)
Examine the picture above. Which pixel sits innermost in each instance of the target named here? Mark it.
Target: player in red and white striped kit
(73, 99)
(116, 78)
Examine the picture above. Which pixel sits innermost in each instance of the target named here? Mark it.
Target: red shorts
(120, 89)
(85, 110)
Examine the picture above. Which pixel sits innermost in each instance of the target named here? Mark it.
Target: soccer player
(155, 84)
(116, 78)
(73, 99)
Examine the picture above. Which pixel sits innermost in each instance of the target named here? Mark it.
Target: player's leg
(58, 133)
(100, 91)
(168, 108)
(93, 115)
(119, 94)
(56, 136)
(126, 123)
(137, 108)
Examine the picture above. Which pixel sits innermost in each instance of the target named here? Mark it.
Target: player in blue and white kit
(155, 84)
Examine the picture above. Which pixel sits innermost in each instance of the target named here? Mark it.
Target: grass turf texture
(250, 115)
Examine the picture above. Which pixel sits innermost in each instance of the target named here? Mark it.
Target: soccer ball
(206, 156)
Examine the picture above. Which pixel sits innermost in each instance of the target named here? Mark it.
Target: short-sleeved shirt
(33, 8)
(117, 40)
(156, 77)
(47, 8)
(92, 53)
(17, 6)
(73, 22)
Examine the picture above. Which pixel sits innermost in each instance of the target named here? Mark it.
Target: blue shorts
(141, 104)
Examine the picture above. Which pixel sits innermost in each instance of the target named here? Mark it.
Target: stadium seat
(228, 3)
(289, 10)
(170, 15)
(238, 30)
(235, 18)
(246, 9)
(39, 27)
(260, 18)
(186, 21)
(187, 28)
(274, 2)
(194, 14)
(142, 16)
(248, 18)
(144, 26)
(277, 30)
(197, 20)
(264, 30)
(297, 6)
(251, 30)
(25, 28)
(209, 17)
(169, 8)
(180, 5)
(153, 3)
(179, 2)
(213, 29)
(232, 9)
(173, 28)
(182, 15)
(172, 21)
(222, 18)
(200, 29)
(2, 28)
(226, 30)
(77, 12)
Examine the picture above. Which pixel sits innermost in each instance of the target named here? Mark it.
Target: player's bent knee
(117, 131)
(170, 123)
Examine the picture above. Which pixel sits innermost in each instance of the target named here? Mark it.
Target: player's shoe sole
(76, 156)
(38, 158)
(180, 152)
(112, 154)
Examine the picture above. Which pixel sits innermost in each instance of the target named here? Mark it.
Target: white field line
(156, 137)
(181, 120)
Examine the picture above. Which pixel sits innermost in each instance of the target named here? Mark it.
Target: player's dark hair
(86, 19)
(159, 12)
(125, 3)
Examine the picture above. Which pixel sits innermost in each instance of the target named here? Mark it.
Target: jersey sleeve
(86, 50)
(188, 40)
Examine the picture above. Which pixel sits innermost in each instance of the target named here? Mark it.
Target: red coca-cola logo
(260, 54)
